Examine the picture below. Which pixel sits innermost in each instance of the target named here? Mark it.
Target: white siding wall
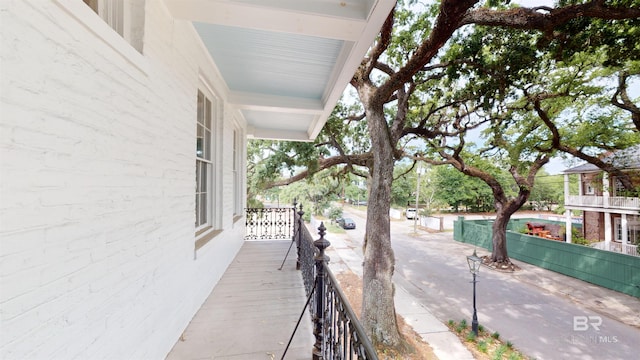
(97, 185)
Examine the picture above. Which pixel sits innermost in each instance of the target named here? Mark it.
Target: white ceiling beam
(250, 101)
(271, 134)
(356, 9)
(268, 18)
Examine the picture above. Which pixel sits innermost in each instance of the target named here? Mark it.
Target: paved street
(542, 324)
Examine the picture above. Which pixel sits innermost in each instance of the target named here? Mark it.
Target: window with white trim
(633, 229)
(126, 17)
(204, 164)
(618, 188)
(590, 190)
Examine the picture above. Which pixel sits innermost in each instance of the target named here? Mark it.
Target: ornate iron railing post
(296, 233)
(320, 260)
(299, 239)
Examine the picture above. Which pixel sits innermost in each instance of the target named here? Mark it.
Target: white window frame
(125, 17)
(112, 12)
(589, 188)
(205, 128)
(205, 232)
(134, 17)
(633, 228)
(618, 188)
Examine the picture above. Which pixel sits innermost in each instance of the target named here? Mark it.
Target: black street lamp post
(474, 266)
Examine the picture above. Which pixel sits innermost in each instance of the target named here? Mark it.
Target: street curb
(444, 343)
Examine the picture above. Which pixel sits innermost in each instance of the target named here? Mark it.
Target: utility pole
(419, 171)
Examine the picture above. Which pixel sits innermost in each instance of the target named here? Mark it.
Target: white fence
(601, 201)
(617, 247)
(432, 222)
(625, 202)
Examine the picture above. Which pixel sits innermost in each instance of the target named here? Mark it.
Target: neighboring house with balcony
(611, 214)
(123, 137)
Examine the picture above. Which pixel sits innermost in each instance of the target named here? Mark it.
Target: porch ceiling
(285, 63)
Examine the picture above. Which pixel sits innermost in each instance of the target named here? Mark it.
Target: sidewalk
(445, 344)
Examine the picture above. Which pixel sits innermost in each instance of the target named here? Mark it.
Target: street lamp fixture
(474, 262)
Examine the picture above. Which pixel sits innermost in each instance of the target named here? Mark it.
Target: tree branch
(621, 99)
(449, 19)
(382, 43)
(561, 146)
(360, 159)
(530, 18)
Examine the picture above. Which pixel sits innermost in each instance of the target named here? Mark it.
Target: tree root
(505, 266)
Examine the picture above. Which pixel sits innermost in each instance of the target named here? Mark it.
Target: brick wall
(97, 185)
(593, 225)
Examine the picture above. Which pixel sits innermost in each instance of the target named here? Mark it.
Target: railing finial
(321, 261)
(322, 243)
(333, 317)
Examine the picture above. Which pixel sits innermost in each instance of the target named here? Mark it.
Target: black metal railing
(306, 253)
(337, 330)
(269, 223)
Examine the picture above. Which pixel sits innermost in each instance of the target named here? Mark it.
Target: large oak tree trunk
(378, 309)
(499, 238)
(504, 210)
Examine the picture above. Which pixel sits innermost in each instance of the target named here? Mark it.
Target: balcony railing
(617, 247)
(624, 202)
(618, 202)
(338, 332)
(269, 223)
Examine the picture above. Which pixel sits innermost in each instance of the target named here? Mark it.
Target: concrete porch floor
(252, 311)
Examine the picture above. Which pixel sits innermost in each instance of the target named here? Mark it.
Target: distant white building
(122, 154)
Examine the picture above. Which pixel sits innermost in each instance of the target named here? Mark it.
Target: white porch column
(566, 189)
(624, 225)
(605, 190)
(568, 224)
(580, 186)
(607, 229)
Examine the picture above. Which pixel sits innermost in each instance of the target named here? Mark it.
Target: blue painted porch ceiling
(271, 63)
(280, 121)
